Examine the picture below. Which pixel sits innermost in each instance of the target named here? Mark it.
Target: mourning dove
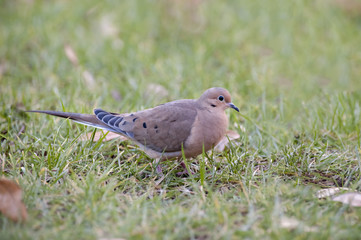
(163, 131)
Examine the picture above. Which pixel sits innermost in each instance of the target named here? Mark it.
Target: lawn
(292, 67)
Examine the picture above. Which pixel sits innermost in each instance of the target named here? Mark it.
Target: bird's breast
(207, 130)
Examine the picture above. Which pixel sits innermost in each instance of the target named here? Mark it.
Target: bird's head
(218, 98)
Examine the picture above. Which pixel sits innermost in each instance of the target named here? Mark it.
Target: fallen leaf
(111, 238)
(328, 192)
(89, 79)
(230, 135)
(187, 14)
(22, 130)
(155, 91)
(289, 223)
(107, 26)
(70, 54)
(10, 201)
(352, 7)
(3, 68)
(99, 134)
(293, 223)
(116, 95)
(353, 199)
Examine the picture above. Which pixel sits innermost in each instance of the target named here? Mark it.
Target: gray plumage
(162, 131)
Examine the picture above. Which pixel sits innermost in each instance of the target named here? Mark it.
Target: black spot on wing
(144, 125)
(134, 119)
(125, 122)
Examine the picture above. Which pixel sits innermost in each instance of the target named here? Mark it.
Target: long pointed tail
(85, 119)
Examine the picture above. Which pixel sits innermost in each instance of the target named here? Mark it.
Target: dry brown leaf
(230, 135)
(70, 54)
(107, 26)
(353, 7)
(89, 79)
(155, 91)
(10, 201)
(99, 134)
(328, 192)
(111, 238)
(354, 199)
(289, 223)
(293, 223)
(22, 130)
(116, 95)
(3, 68)
(187, 14)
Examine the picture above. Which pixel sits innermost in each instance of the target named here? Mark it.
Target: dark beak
(231, 105)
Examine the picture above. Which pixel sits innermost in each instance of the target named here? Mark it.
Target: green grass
(292, 67)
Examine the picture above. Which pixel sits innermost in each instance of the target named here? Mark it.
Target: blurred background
(292, 67)
(278, 59)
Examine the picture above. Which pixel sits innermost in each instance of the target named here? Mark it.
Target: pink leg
(158, 169)
(185, 172)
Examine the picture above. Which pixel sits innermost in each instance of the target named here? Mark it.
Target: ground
(292, 67)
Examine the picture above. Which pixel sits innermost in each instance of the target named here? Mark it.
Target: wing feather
(163, 128)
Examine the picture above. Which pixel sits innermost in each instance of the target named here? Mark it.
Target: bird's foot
(185, 172)
(158, 169)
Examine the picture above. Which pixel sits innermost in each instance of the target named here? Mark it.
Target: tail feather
(85, 119)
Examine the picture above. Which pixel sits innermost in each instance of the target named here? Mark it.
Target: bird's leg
(158, 168)
(185, 172)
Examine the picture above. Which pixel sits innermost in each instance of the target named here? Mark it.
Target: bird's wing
(163, 128)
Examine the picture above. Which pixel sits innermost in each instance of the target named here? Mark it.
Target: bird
(169, 130)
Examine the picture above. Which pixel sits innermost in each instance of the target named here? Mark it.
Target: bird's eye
(221, 98)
